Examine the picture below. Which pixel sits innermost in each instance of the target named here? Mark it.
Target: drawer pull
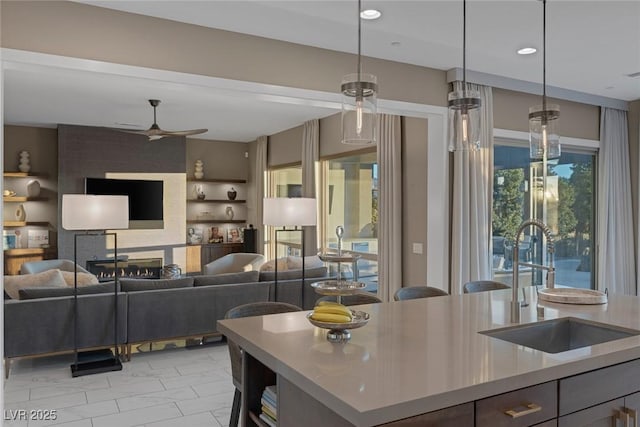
(532, 407)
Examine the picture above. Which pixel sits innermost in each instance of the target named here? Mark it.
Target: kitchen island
(425, 356)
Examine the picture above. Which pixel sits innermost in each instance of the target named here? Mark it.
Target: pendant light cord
(544, 57)
(359, 38)
(464, 47)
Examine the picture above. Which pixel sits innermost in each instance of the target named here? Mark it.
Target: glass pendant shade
(544, 138)
(464, 121)
(359, 108)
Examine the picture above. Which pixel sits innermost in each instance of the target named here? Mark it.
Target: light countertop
(420, 355)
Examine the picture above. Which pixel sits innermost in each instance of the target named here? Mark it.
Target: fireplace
(143, 268)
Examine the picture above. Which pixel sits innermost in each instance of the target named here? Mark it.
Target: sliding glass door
(565, 202)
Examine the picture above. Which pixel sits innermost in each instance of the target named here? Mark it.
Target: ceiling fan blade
(184, 132)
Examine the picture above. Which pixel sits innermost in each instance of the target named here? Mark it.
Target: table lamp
(289, 212)
(94, 215)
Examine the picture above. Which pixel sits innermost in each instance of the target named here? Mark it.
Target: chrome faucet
(551, 271)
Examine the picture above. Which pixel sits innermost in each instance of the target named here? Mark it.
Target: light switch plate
(417, 248)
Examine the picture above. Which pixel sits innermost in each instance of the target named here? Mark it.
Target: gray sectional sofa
(148, 310)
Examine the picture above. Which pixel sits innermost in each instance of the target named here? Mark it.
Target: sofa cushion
(295, 262)
(34, 293)
(271, 265)
(133, 285)
(227, 278)
(46, 279)
(84, 279)
(269, 276)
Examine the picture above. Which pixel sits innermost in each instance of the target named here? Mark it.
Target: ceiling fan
(154, 132)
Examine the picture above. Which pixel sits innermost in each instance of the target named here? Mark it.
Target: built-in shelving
(23, 199)
(24, 175)
(216, 221)
(220, 181)
(215, 201)
(25, 223)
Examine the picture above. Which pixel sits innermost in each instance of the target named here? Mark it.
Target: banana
(330, 303)
(332, 309)
(330, 317)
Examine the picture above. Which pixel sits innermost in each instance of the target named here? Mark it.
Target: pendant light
(464, 106)
(544, 140)
(359, 102)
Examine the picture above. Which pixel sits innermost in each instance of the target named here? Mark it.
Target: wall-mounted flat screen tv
(145, 199)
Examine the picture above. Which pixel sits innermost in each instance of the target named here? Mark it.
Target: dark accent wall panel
(85, 151)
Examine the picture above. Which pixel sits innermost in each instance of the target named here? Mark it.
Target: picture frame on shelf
(37, 238)
(194, 236)
(216, 235)
(234, 235)
(9, 239)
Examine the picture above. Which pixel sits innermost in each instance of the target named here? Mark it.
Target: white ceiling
(592, 47)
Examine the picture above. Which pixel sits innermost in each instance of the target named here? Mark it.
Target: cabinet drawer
(491, 412)
(591, 388)
(550, 423)
(599, 415)
(456, 416)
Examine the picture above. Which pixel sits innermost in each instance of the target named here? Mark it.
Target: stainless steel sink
(558, 335)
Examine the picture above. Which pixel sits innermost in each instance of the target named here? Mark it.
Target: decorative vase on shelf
(24, 164)
(21, 214)
(231, 194)
(229, 212)
(199, 192)
(33, 188)
(199, 170)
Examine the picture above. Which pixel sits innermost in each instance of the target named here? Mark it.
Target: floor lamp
(94, 215)
(289, 212)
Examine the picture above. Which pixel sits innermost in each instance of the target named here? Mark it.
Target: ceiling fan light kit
(544, 138)
(464, 106)
(359, 102)
(155, 132)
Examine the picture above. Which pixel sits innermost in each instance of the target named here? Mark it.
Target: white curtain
(390, 206)
(616, 265)
(259, 171)
(472, 196)
(310, 157)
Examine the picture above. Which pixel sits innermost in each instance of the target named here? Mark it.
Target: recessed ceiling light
(527, 51)
(370, 14)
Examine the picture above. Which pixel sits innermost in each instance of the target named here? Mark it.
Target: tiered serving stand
(339, 332)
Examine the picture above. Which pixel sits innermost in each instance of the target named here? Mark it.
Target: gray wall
(92, 152)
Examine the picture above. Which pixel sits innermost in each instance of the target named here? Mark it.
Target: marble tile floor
(168, 388)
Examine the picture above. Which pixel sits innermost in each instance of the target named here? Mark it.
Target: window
(283, 182)
(565, 204)
(350, 199)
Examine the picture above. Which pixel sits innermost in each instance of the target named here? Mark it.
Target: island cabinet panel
(599, 386)
(296, 409)
(603, 415)
(455, 416)
(550, 423)
(524, 407)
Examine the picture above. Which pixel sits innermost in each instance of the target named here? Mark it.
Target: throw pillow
(134, 285)
(45, 279)
(270, 276)
(271, 265)
(295, 262)
(227, 278)
(84, 279)
(34, 293)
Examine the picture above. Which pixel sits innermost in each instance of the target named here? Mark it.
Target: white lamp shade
(294, 211)
(91, 212)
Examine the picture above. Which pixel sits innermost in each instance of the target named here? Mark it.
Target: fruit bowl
(339, 332)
